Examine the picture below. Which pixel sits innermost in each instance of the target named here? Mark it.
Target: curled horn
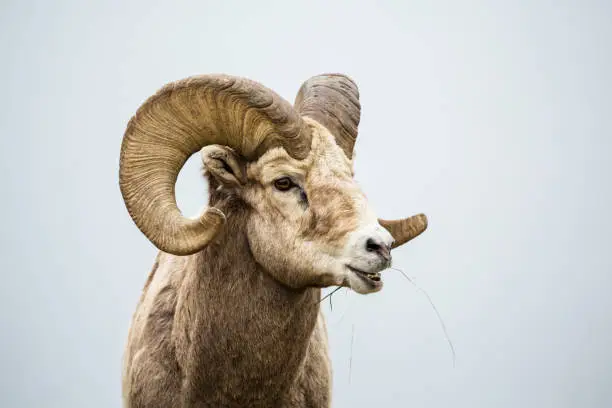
(403, 230)
(178, 121)
(333, 101)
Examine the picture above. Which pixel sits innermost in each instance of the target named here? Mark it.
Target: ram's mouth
(370, 277)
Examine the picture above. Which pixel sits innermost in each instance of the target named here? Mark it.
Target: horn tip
(423, 218)
(213, 218)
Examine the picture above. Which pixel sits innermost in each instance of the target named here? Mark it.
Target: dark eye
(283, 184)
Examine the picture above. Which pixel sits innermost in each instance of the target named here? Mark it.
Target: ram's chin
(363, 282)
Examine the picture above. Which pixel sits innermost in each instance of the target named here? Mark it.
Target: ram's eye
(283, 184)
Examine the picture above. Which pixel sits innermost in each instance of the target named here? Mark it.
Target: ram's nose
(380, 248)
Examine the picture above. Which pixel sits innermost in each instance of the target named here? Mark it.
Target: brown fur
(333, 213)
(215, 330)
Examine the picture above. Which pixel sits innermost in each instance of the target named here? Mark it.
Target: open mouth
(370, 277)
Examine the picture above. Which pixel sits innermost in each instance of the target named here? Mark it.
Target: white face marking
(367, 249)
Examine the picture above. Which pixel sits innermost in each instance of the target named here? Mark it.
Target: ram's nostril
(372, 246)
(379, 248)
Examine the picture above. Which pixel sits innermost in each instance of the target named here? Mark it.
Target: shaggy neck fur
(245, 335)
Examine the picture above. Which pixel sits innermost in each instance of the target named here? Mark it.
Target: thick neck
(248, 333)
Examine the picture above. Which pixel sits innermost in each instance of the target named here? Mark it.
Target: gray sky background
(493, 118)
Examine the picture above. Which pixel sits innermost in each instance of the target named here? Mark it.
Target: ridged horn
(178, 121)
(333, 101)
(405, 229)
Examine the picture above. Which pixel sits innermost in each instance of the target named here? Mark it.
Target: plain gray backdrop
(493, 118)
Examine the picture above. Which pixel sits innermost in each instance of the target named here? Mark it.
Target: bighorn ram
(229, 314)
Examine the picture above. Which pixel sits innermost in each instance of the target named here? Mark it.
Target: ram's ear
(224, 165)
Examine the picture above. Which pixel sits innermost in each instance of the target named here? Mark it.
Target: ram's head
(308, 222)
